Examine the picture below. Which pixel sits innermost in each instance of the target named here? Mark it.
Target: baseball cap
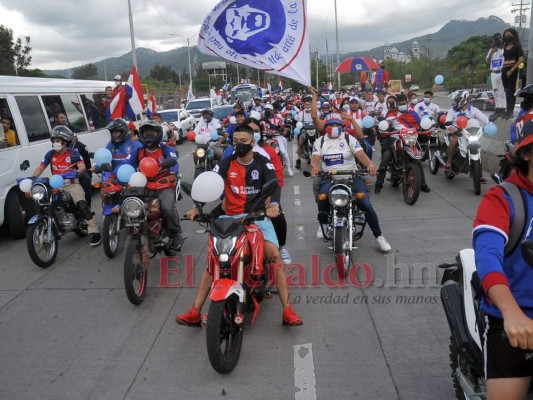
(524, 130)
(118, 78)
(255, 115)
(269, 107)
(354, 100)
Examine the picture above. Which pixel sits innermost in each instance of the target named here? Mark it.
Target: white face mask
(57, 146)
(427, 100)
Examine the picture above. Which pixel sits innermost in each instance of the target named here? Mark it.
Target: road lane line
(304, 372)
(296, 190)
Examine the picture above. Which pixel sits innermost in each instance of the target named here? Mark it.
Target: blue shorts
(265, 225)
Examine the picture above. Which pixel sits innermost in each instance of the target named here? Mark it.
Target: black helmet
(527, 93)
(460, 99)
(62, 132)
(150, 141)
(207, 110)
(118, 125)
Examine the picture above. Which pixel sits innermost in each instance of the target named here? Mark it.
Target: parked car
(181, 119)
(484, 100)
(195, 107)
(221, 112)
(414, 87)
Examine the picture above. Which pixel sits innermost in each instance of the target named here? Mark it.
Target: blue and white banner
(190, 95)
(268, 35)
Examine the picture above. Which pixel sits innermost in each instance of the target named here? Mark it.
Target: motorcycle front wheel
(135, 275)
(434, 162)
(412, 184)
(343, 250)
(42, 252)
(476, 176)
(223, 337)
(110, 235)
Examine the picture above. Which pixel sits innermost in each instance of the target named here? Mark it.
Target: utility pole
(521, 8)
(317, 62)
(337, 40)
(132, 35)
(529, 74)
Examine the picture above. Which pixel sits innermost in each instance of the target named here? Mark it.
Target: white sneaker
(290, 171)
(319, 234)
(383, 244)
(285, 255)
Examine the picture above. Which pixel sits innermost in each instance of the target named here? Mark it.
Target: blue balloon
(56, 181)
(294, 113)
(439, 79)
(214, 135)
(490, 129)
(368, 122)
(124, 172)
(297, 131)
(102, 156)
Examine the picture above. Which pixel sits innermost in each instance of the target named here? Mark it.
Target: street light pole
(133, 52)
(337, 39)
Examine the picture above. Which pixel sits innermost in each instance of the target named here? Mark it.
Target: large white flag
(190, 95)
(270, 35)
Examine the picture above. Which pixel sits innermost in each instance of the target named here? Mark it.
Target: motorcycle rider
(306, 119)
(275, 124)
(205, 126)
(120, 144)
(333, 152)
(461, 107)
(150, 136)
(239, 168)
(63, 159)
(428, 108)
(506, 279)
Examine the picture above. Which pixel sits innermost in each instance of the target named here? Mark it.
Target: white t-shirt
(380, 108)
(336, 154)
(304, 116)
(471, 112)
(431, 110)
(204, 128)
(496, 61)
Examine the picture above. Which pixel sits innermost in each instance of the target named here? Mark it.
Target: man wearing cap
(507, 300)
(495, 61)
(118, 85)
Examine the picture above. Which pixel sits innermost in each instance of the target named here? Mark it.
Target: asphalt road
(69, 332)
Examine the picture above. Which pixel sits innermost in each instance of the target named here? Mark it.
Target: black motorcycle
(57, 216)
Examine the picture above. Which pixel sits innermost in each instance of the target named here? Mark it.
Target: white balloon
(255, 115)
(383, 126)
(232, 120)
(202, 139)
(25, 185)
(207, 187)
(138, 179)
(426, 123)
(299, 125)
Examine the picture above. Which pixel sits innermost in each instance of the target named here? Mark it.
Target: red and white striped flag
(135, 105)
(150, 111)
(117, 108)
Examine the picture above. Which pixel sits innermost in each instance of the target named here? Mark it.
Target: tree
(15, 56)
(467, 60)
(87, 71)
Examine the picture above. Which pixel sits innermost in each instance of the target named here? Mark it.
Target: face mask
(241, 149)
(334, 132)
(57, 146)
(402, 108)
(391, 105)
(414, 101)
(308, 109)
(257, 136)
(507, 39)
(427, 101)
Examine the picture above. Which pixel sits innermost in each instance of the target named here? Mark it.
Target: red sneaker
(290, 318)
(190, 318)
(482, 180)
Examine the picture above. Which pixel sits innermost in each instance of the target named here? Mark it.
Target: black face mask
(241, 149)
(496, 43)
(391, 105)
(507, 39)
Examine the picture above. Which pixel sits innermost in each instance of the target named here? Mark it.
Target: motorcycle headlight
(200, 153)
(410, 140)
(132, 208)
(339, 197)
(224, 247)
(38, 192)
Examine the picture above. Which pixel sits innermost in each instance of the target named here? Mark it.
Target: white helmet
(460, 99)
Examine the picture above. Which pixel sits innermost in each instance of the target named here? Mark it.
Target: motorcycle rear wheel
(412, 184)
(342, 251)
(135, 275)
(110, 235)
(476, 176)
(223, 337)
(38, 246)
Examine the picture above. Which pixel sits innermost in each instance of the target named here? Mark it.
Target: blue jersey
(122, 150)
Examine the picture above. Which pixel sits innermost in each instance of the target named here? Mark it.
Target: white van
(28, 107)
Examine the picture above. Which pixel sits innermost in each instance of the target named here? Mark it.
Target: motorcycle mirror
(106, 167)
(186, 187)
(527, 251)
(268, 189)
(168, 162)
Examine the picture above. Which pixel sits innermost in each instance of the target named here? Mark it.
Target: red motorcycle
(240, 277)
(403, 167)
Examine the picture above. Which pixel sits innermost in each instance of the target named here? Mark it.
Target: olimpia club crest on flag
(268, 35)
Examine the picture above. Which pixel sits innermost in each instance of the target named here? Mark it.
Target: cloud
(69, 33)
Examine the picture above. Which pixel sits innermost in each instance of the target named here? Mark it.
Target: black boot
(499, 112)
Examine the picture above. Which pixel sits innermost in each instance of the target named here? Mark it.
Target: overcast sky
(67, 33)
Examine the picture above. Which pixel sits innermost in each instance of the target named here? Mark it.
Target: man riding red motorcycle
(244, 174)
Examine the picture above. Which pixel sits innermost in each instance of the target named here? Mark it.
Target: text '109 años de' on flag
(268, 35)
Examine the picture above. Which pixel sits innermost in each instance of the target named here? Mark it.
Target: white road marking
(304, 372)
(296, 190)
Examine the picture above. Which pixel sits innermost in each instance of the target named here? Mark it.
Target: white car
(414, 87)
(181, 119)
(195, 107)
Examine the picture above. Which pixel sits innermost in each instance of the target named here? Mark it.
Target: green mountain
(450, 35)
